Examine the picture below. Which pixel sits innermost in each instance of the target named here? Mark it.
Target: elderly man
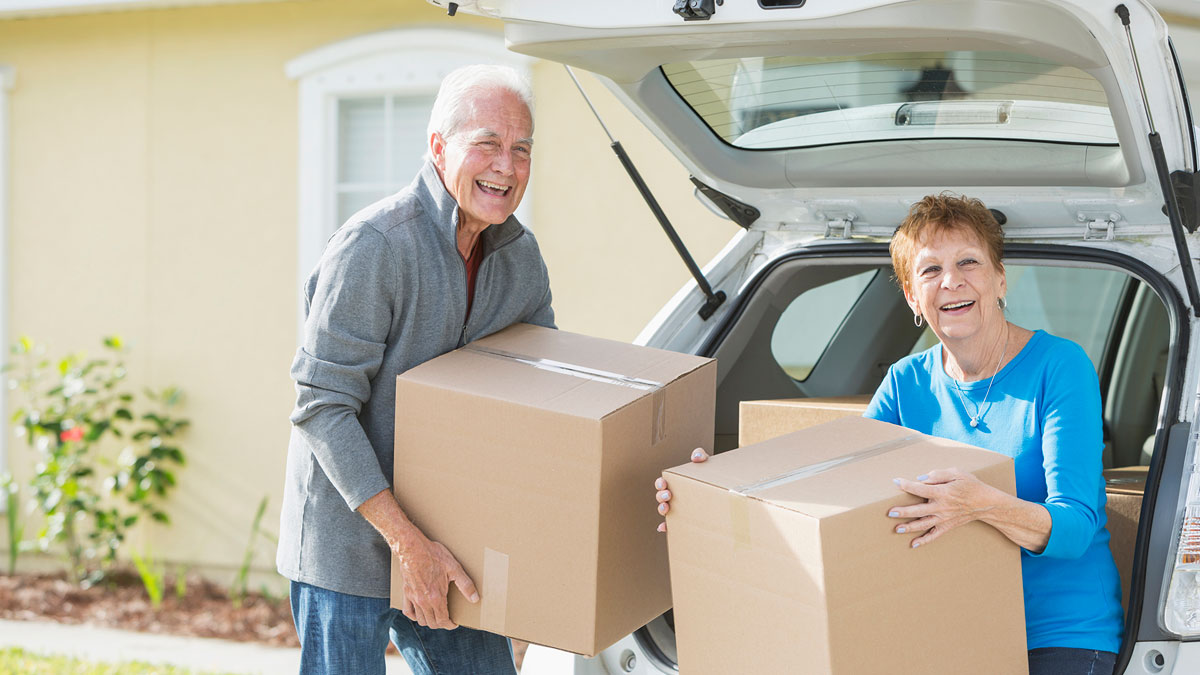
(438, 264)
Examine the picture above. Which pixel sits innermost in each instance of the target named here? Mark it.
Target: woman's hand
(952, 498)
(663, 494)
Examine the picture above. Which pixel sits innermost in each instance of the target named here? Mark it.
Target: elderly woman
(1029, 395)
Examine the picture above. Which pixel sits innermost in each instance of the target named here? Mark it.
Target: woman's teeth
(957, 305)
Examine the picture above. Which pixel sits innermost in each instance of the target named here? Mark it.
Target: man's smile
(493, 188)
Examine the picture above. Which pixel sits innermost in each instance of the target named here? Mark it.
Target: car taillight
(1182, 612)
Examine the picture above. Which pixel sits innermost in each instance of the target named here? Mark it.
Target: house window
(364, 106)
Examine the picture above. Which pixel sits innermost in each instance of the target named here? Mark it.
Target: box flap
(555, 370)
(849, 403)
(856, 458)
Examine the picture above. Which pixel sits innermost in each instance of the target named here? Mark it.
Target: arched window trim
(409, 61)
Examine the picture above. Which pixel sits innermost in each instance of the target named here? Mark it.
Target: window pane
(361, 152)
(410, 117)
(350, 201)
(810, 321)
(1074, 303)
(791, 101)
(1077, 304)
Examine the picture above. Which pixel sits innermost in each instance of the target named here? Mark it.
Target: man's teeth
(958, 305)
(502, 189)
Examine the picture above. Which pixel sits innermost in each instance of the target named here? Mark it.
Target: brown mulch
(121, 602)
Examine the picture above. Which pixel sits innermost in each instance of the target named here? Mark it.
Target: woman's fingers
(663, 496)
(699, 455)
(663, 508)
(918, 525)
(914, 511)
(916, 488)
(660, 483)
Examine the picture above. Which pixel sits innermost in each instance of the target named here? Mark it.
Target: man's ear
(437, 150)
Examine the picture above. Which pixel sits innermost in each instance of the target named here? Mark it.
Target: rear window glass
(788, 101)
(811, 320)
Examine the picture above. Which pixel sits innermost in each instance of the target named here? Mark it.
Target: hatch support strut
(713, 300)
(1164, 177)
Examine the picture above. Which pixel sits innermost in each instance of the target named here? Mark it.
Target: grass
(17, 660)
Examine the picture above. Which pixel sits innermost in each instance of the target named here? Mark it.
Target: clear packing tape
(656, 389)
(739, 503)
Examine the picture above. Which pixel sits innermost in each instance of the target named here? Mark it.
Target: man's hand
(428, 567)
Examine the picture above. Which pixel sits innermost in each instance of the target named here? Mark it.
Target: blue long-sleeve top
(1044, 412)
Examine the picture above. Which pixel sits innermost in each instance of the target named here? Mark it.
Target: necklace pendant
(974, 422)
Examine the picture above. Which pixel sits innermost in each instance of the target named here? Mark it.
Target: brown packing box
(534, 460)
(783, 560)
(1124, 487)
(762, 420)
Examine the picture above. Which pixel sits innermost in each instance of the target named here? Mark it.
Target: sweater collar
(443, 210)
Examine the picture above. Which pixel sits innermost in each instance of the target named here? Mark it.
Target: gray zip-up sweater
(388, 294)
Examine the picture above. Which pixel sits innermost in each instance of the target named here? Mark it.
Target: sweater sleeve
(543, 313)
(1072, 449)
(345, 334)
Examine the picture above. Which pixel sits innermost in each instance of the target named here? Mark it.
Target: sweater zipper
(462, 337)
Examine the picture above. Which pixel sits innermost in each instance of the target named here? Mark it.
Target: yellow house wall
(153, 194)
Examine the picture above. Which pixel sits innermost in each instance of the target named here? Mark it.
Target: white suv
(815, 124)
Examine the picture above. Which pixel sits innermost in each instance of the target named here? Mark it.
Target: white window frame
(401, 62)
(8, 78)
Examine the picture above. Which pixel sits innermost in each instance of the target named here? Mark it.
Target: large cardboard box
(783, 560)
(763, 420)
(531, 454)
(1124, 487)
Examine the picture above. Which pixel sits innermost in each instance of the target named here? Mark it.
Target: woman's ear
(911, 300)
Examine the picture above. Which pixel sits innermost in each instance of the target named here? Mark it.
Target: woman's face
(954, 285)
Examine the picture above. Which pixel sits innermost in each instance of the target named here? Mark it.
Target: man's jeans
(342, 633)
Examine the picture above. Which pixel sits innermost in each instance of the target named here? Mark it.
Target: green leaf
(123, 414)
(130, 520)
(161, 517)
(64, 366)
(113, 342)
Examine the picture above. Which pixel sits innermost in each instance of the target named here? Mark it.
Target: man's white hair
(454, 105)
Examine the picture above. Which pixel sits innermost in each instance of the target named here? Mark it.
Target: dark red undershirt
(472, 264)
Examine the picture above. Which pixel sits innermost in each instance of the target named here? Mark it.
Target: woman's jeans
(1067, 661)
(348, 634)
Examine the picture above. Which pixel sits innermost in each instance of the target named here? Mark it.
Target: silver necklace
(978, 416)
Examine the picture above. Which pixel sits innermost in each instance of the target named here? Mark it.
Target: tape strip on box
(493, 603)
(828, 465)
(658, 425)
(739, 504)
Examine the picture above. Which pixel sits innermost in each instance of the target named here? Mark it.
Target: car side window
(811, 320)
(1070, 302)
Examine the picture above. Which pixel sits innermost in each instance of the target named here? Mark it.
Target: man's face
(485, 164)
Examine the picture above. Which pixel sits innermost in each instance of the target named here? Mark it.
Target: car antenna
(714, 300)
(1164, 177)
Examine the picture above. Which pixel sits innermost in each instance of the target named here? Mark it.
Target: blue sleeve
(1072, 449)
(884, 405)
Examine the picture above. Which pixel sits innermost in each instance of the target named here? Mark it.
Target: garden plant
(105, 457)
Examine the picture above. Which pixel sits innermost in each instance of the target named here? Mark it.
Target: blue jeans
(1068, 661)
(342, 633)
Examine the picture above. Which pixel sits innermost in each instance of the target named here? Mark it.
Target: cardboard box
(759, 421)
(1124, 487)
(531, 454)
(783, 560)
